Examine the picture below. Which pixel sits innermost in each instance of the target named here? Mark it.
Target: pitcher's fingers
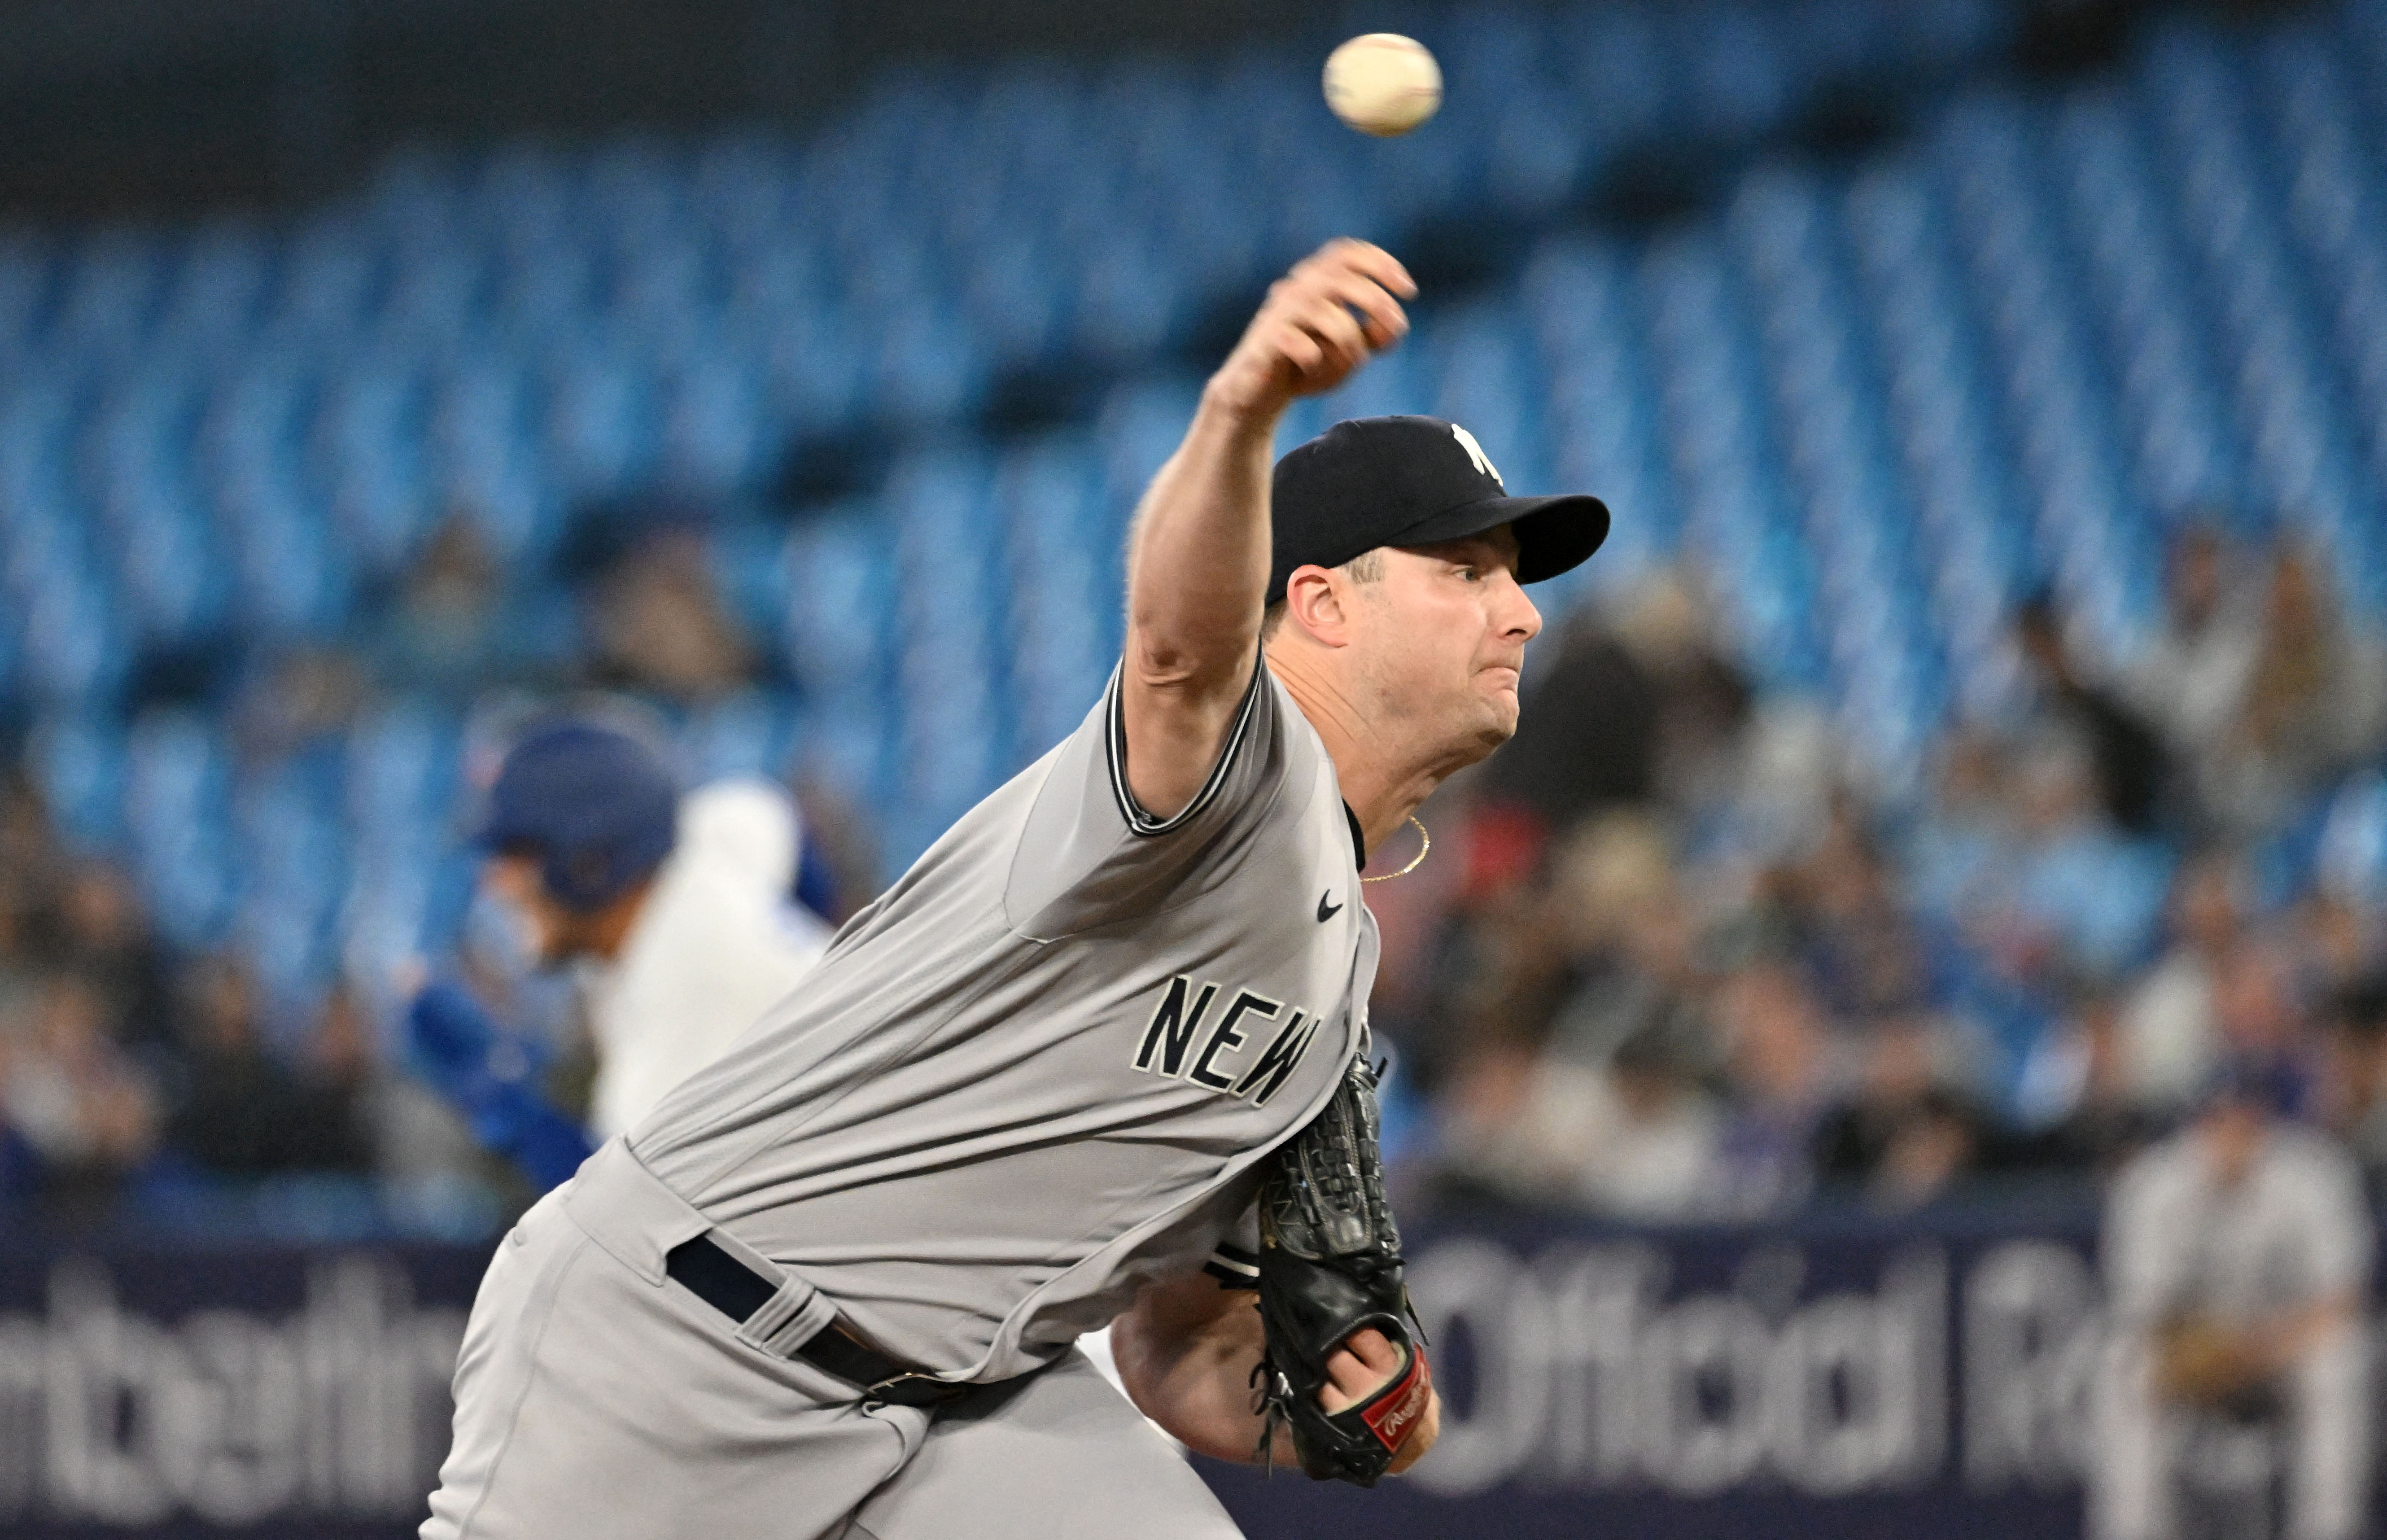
(1363, 1366)
(1332, 324)
(1296, 347)
(1331, 354)
(1382, 313)
(1376, 1350)
(1346, 1382)
(1372, 259)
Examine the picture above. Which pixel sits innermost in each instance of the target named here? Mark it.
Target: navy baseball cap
(1413, 480)
(599, 809)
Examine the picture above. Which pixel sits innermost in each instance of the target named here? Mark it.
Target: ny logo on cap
(1475, 452)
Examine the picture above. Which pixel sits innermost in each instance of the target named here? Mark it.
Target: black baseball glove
(1330, 1265)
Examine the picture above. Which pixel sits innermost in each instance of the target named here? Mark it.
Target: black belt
(737, 1291)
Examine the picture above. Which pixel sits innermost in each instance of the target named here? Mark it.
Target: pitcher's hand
(1324, 320)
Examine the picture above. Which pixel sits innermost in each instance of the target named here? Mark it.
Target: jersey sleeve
(1146, 825)
(1089, 854)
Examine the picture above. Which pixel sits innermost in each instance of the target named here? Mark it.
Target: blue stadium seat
(842, 595)
(292, 878)
(79, 764)
(751, 734)
(1876, 408)
(177, 796)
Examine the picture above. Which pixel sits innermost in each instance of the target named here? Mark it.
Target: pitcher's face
(1442, 641)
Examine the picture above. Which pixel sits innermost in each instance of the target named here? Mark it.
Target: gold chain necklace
(1425, 843)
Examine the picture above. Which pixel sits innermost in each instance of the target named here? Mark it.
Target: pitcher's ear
(1315, 599)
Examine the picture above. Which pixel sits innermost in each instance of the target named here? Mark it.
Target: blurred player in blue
(678, 915)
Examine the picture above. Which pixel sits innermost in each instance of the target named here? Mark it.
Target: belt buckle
(877, 1394)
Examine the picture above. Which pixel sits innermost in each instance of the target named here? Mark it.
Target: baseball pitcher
(1099, 1057)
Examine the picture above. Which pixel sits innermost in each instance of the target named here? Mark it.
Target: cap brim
(1554, 534)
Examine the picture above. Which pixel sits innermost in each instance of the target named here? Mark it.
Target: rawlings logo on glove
(1330, 1266)
(1392, 1414)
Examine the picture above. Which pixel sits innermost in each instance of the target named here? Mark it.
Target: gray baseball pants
(596, 1398)
(2142, 1445)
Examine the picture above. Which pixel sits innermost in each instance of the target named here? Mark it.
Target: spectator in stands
(2024, 893)
(1779, 1078)
(1637, 1138)
(1500, 966)
(1631, 710)
(244, 1112)
(659, 624)
(28, 847)
(1607, 1113)
(1498, 981)
(1868, 956)
(2236, 1255)
(2097, 882)
(338, 1067)
(1705, 702)
(2131, 771)
(29, 863)
(20, 1168)
(2351, 861)
(1628, 931)
(2336, 934)
(304, 696)
(2094, 1119)
(2170, 1042)
(1949, 851)
(2257, 1014)
(455, 631)
(2072, 893)
(1906, 1128)
(17, 952)
(84, 1110)
(1664, 1134)
(2315, 704)
(2190, 681)
(1593, 744)
(95, 928)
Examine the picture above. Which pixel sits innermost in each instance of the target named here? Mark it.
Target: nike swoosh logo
(1327, 911)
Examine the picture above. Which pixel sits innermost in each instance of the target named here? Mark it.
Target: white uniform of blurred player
(2236, 1255)
(676, 913)
(716, 943)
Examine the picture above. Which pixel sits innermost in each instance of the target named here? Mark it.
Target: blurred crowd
(1689, 962)
(135, 1079)
(117, 1058)
(1676, 957)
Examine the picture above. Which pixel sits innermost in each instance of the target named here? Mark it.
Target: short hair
(1366, 567)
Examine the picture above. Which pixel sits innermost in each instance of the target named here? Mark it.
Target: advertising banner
(247, 1390)
(1857, 1378)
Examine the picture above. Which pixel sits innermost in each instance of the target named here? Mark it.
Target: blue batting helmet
(596, 808)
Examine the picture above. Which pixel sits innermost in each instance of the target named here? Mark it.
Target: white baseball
(1382, 84)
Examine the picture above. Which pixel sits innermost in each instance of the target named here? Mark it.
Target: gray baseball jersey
(1042, 1068)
